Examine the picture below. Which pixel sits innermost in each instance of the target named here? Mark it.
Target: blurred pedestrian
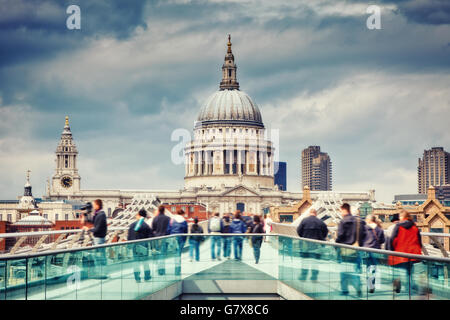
(99, 231)
(160, 225)
(195, 240)
(351, 231)
(215, 227)
(178, 225)
(311, 227)
(257, 240)
(238, 226)
(140, 230)
(226, 222)
(374, 239)
(405, 238)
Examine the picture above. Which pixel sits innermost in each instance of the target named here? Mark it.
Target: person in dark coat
(194, 241)
(374, 239)
(312, 228)
(99, 232)
(257, 240)
(226, 222)
(160, 223)
(160, 228)
(351, 231)
(140, 230)
(99, 220)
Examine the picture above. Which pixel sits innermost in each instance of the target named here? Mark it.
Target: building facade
(433, 169)
(316, 169)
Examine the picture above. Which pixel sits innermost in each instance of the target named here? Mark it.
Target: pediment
(240, 191)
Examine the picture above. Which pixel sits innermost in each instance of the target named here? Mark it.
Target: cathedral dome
(230, 106)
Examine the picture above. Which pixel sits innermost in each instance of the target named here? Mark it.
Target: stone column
(186, 164)
(261, 162)
(239, 161)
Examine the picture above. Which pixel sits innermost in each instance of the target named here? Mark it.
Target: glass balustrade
(134, 270)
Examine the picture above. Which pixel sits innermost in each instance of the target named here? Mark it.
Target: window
(174, 209)
(9, 217)
(66, 216)
(1, 217)
(109, 212)
(56, 216)
(191, 209)
(46, 216)
(183, 208)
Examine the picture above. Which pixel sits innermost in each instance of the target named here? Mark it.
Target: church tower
(66, 181)
(229, 79)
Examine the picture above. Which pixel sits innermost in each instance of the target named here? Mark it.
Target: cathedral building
(229, 164)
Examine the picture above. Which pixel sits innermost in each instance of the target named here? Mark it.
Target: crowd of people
(228, 234)
(402, 236)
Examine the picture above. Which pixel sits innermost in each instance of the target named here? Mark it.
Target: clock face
(66, 182)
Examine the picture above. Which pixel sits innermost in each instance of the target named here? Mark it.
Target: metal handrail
(43, 233)
(427, 234)
(340, 245)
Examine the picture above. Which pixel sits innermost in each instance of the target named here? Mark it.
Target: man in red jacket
(405, 238)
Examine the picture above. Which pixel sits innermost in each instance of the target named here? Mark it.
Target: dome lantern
(229, 80)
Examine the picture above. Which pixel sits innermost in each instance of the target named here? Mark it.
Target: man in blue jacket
(237, 226)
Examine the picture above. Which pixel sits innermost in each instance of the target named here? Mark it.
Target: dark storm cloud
(434, 12)
(36, 29)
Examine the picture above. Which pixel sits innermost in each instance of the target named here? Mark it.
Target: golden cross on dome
(67, 120)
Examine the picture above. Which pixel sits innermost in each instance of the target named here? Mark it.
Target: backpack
(226, 226)
(197, 229)
(214, 224)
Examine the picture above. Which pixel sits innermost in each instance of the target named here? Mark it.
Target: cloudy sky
(138, 70)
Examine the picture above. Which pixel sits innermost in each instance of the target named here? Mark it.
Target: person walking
(311, 227)
(238, 226)
(99, 231)
(99, 221)
(160, 225)
(178, 225)
(140, 230)
(405, 238)
(257, 240)
(351, 231)
(194, 241)
(374, 239)
(215, 226)
(226, 222)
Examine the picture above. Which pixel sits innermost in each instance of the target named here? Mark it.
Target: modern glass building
(280, 169)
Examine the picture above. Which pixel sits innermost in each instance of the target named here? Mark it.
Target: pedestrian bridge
(285, 271)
